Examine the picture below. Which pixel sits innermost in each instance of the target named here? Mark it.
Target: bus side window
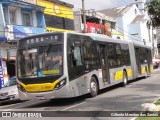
(90, 54)
(75, 55)
(112, 55)
(77, 60)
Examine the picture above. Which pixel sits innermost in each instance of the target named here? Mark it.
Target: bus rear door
(103, 63)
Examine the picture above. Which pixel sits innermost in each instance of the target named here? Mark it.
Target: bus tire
(93, 87)
(146, 72)
(125, 78)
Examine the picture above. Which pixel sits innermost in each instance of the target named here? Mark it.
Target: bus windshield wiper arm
(47, 48)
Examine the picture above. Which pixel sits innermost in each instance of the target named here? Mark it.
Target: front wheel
(93, 87)
(125, 79)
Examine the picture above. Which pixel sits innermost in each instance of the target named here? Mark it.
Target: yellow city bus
(77, 64)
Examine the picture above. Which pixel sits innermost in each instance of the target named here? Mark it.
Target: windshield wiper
(47, 48)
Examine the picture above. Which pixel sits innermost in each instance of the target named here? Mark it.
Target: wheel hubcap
(125, 80)
(93, 87)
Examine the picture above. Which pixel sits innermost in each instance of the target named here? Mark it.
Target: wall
(56, 9)
(29, 1)
(122, 22)
(59, 10)
(135, 30)
(2, 21)
(78, 21)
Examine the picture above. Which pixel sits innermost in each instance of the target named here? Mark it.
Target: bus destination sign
(41, 40)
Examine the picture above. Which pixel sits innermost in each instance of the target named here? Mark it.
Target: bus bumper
(61, 93)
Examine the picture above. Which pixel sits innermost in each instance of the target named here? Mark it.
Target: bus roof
(95, 37)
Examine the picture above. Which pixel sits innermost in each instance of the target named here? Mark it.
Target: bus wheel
(93, 87)
(125, 78)
(146, 72)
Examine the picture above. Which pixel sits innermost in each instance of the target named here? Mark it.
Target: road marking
(154, 76)
(133, 118)
(7, 110)
(156, 70)
(72, 106)
(24, 104)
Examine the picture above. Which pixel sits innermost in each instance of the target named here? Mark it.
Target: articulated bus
(63, 64)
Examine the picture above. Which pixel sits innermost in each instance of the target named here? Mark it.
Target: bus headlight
(20, 87)
(60, 84)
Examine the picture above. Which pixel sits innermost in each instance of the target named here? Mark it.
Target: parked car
(9, 91)
(156, 63)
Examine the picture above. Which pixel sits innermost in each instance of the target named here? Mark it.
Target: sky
(98, 4)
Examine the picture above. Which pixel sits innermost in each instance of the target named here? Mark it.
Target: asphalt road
(116, 98)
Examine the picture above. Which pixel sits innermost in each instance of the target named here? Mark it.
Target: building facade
(132, 22)
(20, 18)
(96, 23)
(58, 15)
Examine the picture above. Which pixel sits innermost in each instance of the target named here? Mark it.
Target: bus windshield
(35, 62)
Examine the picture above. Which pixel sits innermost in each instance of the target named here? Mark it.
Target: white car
(9, 92)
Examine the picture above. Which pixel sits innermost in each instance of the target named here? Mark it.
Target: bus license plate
(39, 88)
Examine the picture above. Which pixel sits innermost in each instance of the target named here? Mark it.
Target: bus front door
(103, 63)
(138, 61)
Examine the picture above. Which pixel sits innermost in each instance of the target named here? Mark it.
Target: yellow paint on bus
(129, 72)
(151, 69)
(40, 87)
(119, 75)
(143, 70)
(47, 72)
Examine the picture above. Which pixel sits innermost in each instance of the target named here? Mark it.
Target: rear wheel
(93, 87)
(125, 78)
(146, 72)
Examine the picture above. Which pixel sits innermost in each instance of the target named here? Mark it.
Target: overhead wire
(122, 2)
(129, 12)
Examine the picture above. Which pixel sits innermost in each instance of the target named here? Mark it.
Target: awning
(3, 38)
(22, 4)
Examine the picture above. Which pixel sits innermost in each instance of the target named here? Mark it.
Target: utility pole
(84, 17)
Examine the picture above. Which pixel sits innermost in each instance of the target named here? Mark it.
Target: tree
(153, 8)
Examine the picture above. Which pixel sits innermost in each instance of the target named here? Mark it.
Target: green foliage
(157, 102)
(153, 8)
(148, 118)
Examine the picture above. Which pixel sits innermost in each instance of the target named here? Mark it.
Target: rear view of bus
(40, 67)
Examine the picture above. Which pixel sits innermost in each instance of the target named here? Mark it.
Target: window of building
(69, 24)
(26, 19)
(59, 22)
(54, 21)
(113, 25)
(12, 15)
(5, 14)
(135, 11)
(118, 37)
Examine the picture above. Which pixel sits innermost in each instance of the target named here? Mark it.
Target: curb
(152, 102)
